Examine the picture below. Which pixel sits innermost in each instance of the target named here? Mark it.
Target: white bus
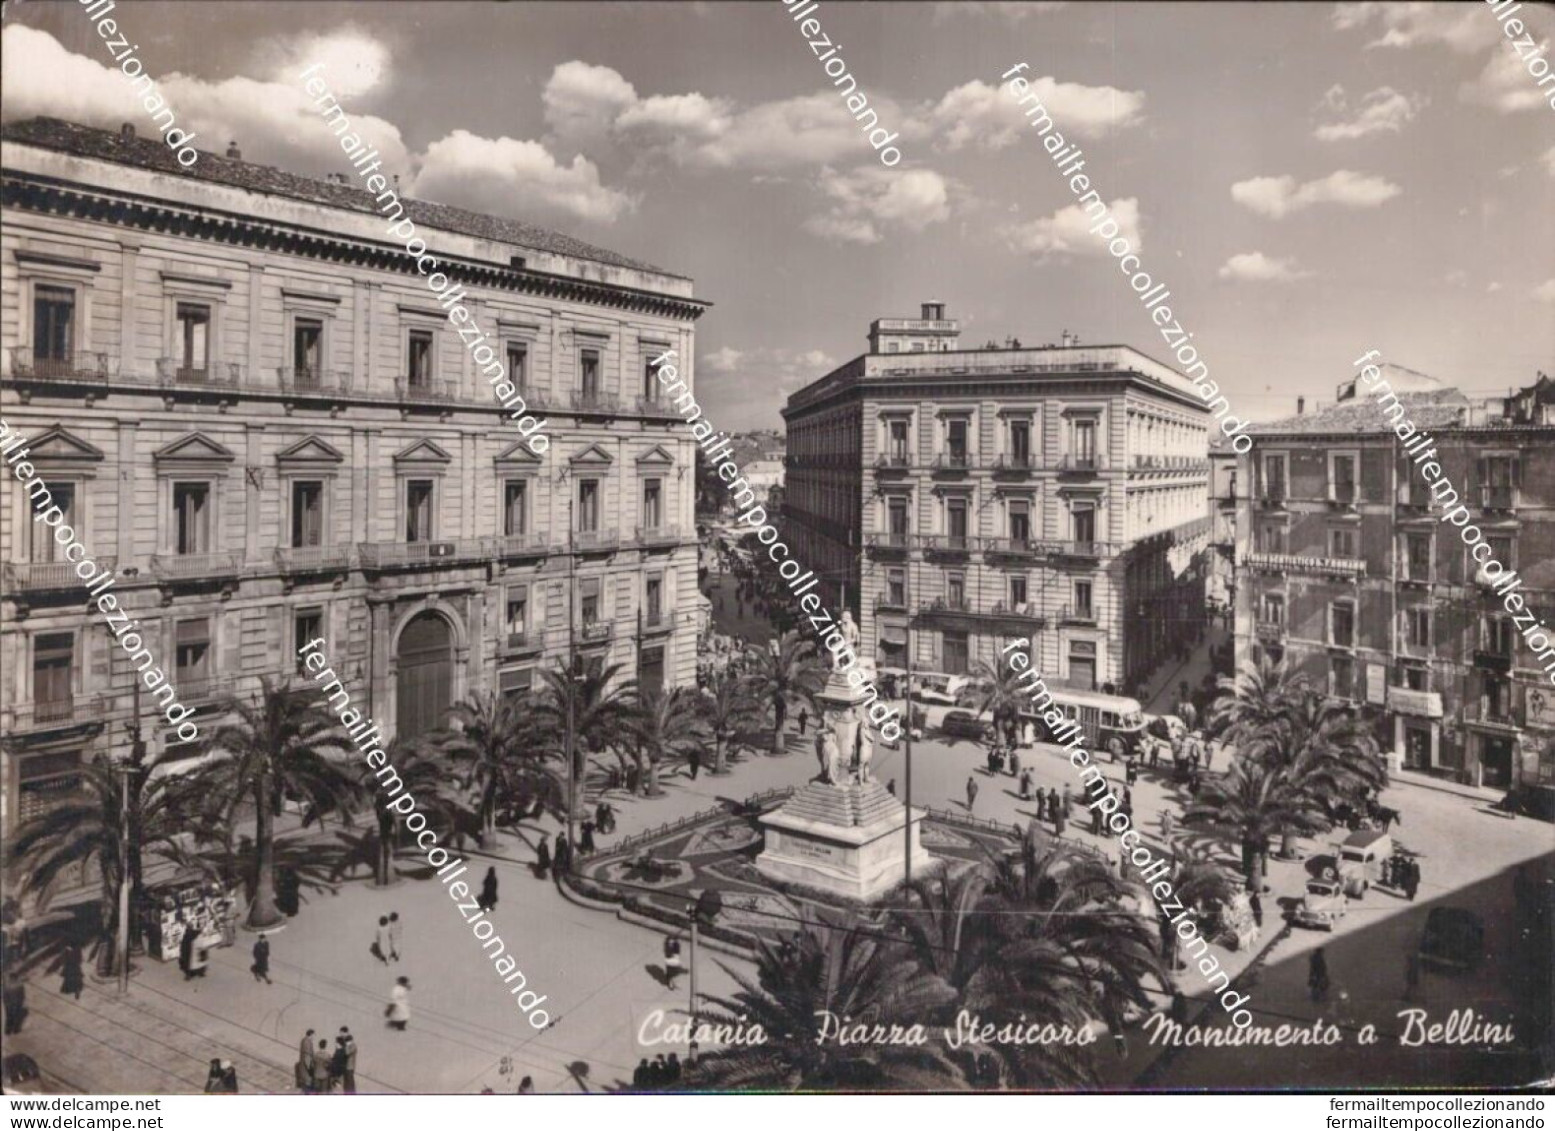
(1102, 718)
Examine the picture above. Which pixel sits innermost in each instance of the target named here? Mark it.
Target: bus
(1102, 718)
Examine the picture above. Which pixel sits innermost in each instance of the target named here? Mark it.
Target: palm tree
(1258, 701)
(668, 726)
(424, 776)
(999, 693)
(86, 829)
(285, 745)
(830, 971)
(1251, 802)
(583, 695)
(729, 708)
(792, 672)
(502, 747)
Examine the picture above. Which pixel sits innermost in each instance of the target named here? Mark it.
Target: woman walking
(72, 981)
(488, 897)
(398, 1011)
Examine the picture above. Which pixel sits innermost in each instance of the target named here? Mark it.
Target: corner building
(967, 497)
(1346, 573)
(254, 407)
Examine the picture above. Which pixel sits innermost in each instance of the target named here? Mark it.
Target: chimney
(1301, 405)
(396, 182)
(233, 151)
(126, 133)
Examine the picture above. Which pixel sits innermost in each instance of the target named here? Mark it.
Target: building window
(653, 599)
(588, 601)
(1341, 677)
(651, 381)
(307, 626)
(1085, 443)
(955, 441)
(1341, 624)
(518, 365)
(1020, 521)
(1082, 665)
(955, 522)
(896, 516)
(1499, 636)
(418, 510)
(588, 369)
(192, 517)
(653, 510)
(419, 359)
(955, 590)
(1083, 520)
(517, 615)
(53, 654)
(307, 513)
(1502, 549)
(45, 548)
(890, 347)
(1274, 478)
(588, 506)
(514, 684)
(307, 348)
(515, 507)
(194, 339)
(1417, 557)
(1020, 443)
(1341, 479)
(53, 324)
(1417, 626)
(896, 588)
(1017, 590)
(1498, 482)
(1270, 538)
(1497, 697)
(1414, 677)
(192, 650)
(1274, 609)
(898, 441)
(1082, 600)
(954, 652)
(1341, 543)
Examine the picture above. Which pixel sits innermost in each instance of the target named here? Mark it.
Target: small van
(1361, 859)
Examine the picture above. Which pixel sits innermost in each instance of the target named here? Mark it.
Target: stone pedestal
(847, 839)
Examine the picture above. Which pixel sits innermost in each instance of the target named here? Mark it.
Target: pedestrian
(526, 1086)
(543, 858)
(672, 1069)
(199, 960)
(804, 717)
(320, 1069)
(14, 996)
(1068, 800)
(380, 946)
(971, 793)
(1155, 753)
(671, 961)
(337, 1067)
(346, 1043)
(641, 1074)
(695, 760)
(1188, 713)
(562, 856)
(1257, 905)
(1096, 820)
(1060, 817)
(1014, 763)
(1209, 753)
(890, 787)
(186, 950)
(395, 927)
(1411, 879)
(398, 1009)
(72, 980)
(586, 837)
(304, 1067)
(261, 967)
(488, 896)
(1025, 790)
(222, 1079)
(1317, 974)
(1411, 977)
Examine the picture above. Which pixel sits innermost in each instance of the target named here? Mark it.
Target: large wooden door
(425, 685)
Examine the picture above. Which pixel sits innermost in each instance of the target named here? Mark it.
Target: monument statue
(850, 634)
(831, 756)
(866, 748)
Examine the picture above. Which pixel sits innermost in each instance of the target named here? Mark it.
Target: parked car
(1361, 858)
(20, 1076)
(1322, 906)
(1454, 937)
(963, 724)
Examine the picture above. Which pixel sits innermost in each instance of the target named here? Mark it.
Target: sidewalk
(1442, 785)
(1161, 688)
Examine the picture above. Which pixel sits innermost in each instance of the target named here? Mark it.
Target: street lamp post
(125, 772)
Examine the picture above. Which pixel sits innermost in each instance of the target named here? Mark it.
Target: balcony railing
(1008, 464)
(303, 559)
(304, 381)
(1299, 563)
(204, 689)
(667, 535)
(1485, 711)
(1492, 661)
(594, 402)
(896, 541)
(657, 407)
(1080, 464)
(68, 711)
(522, 641)
(1074, 549)
(944, 543)
(897, 461)
(1498, 498)
(423, 392)
(1345, 496)
(1272, 496)
(1011, 547)
(1083, 614)
(947, 605)
(886, 603)
(173, 373)
(591, 540)
(1027, 610)
(88, 364)
(1412, 496)
(413, 555)
(657, 620)
(37, 577)
(954, 461)
(508, 546)
(196, 567)
(1270, 630)
(593, 631)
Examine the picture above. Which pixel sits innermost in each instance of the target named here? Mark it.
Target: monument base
(846, 839)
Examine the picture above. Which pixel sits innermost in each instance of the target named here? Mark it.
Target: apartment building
(1347, 573)
(252, 405)
(958, 498)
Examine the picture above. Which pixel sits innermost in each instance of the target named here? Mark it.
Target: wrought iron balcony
(1074, 549)
(1300, 563)
(1077, 614)
(886, 603)
(204, 690)
(592, 541)
(1272, 496)
(522, 642)
(958, 605)
(421, 555)
(423, 392)
(594, 631)
(1344, 496)
(1026, 610)
(1499, 662)
(1011, 547)
(1080, 464)
(1487, 712)
(1272, 631)
(39, 577)
(1015, 464)
(657, 620)
(595, 402)
(667, 535)
(1498, 498)
(1413, 496)
(957, 545)
(658, 407)
(196, 567)
(48, 714)
(510, 546)
(894, 461)
(954, 462)
(91, 365)
(312, 559)
(888, 541)
(304, 380)
(173, 373)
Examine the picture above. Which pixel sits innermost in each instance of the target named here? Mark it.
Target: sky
(1312, 181)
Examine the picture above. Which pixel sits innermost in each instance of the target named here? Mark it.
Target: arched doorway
(425, 685)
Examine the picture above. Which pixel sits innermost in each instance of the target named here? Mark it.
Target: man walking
(261, 967)
(395, 927)
(971, 793)
(346, 1045)
(1317, 974)
(804, 716)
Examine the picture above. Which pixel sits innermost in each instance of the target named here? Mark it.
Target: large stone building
(256, 409)
(968, 496)
(1345, 572)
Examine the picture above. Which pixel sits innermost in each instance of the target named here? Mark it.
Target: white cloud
(869, 199)
(1013, 11)
(353, 61)
(1461, 27)
(1383, 110)
(690, 117)
(1545, 291)
(1280, 196)
(274, 122)
(993, 117)
(1068, 231)
(725, 360)
(1255, 267)
(1493, 288)
(1505, 84)
(508, 177)
(1457, 277)
(808, 130)
(1549, 160)
(582, 102)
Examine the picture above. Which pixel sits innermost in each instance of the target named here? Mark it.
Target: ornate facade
(256, 409)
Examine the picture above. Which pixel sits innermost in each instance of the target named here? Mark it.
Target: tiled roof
(152, 153)
(1435, 409)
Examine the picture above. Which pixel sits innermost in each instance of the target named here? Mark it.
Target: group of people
(319, 1069)
(661, 1072)
(1402, 872)
(386, 942)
